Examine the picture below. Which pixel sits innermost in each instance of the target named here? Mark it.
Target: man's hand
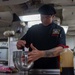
(20, 44)
(35, 54)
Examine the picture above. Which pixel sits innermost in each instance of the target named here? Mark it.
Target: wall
(70, 40)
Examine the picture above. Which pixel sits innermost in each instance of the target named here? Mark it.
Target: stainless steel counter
(44, 71)
(37, 72)
(23, 74)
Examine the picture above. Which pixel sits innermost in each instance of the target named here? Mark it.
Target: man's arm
(35, 54)
(53, 52)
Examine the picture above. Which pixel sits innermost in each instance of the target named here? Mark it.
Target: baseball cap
(47, 9)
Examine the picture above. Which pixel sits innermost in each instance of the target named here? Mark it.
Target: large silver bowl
(19, 63)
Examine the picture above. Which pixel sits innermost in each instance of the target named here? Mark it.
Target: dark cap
(47, 9)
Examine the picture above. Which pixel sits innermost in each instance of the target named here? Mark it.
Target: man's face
(47, 19)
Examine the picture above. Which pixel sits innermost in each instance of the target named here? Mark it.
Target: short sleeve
(62, 38)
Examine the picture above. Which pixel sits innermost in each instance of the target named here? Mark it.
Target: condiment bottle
(66, 62)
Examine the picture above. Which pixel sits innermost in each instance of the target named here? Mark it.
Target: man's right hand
(20, 44)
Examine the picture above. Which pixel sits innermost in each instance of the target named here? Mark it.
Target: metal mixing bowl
(19, 63)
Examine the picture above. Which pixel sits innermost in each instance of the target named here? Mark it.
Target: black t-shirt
(45, 38)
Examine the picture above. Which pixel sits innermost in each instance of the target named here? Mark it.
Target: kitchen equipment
(22, 66)
(3, 55)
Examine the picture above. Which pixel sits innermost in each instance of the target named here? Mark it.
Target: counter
(37, 72)
(20, 74)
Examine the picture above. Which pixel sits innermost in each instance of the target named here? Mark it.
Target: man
(45, 41)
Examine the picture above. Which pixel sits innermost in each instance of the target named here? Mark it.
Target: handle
(25, 51)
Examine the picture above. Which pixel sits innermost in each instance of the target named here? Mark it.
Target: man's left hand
(35, 54)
